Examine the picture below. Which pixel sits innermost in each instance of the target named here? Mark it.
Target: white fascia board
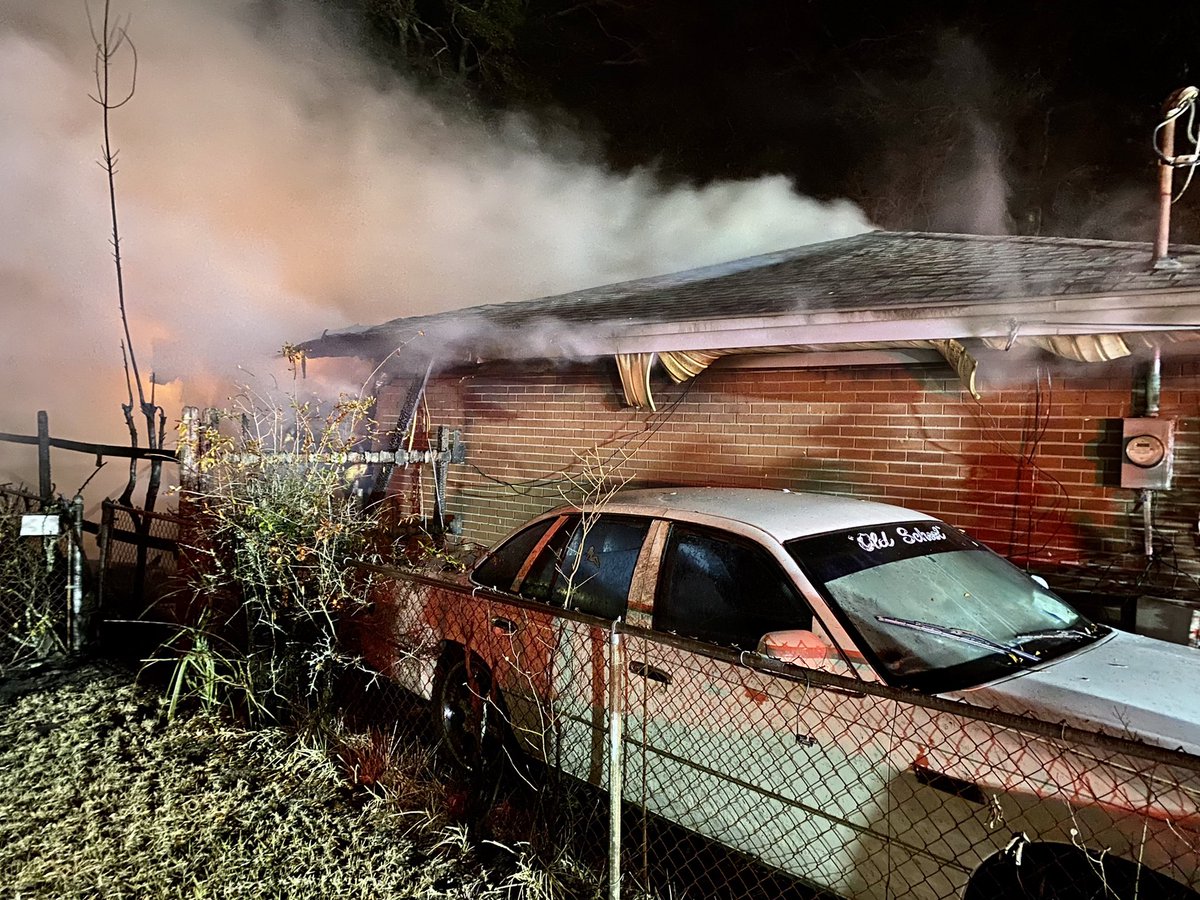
(1108, 314)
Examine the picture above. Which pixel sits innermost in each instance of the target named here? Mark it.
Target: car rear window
(597, 567)
(500, 569)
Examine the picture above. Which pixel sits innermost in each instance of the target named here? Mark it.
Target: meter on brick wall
(1147, 453)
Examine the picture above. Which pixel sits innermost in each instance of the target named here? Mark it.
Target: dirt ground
(101, 797)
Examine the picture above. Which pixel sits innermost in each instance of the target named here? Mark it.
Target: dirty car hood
(1126, 684)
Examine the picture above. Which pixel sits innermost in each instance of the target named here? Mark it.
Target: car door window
(598, 565)
(588, 565)
(724, 590)
(548, 568)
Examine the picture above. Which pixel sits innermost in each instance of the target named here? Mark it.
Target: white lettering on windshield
(917, 536)
(872, 541)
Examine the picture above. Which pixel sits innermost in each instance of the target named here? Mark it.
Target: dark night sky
(899, 106)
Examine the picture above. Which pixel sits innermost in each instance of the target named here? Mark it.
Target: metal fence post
(188, 449)
(75, 625)
(104, 542)
(616, 721)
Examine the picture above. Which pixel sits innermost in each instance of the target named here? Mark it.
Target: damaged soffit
(634, 368)
(1083, 299)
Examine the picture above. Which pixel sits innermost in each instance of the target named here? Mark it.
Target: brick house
(984, 380)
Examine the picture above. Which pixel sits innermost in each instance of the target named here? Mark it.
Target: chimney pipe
(1165, 174)
(1177, 104)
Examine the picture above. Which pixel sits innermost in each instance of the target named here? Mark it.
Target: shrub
(32, 587)
(275, 528)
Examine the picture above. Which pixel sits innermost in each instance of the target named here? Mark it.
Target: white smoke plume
(273, 184)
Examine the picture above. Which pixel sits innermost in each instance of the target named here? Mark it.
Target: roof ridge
(1037, 239)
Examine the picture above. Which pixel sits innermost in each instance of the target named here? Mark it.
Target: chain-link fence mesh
(743, 776)
(33, 584)
(871, 792)
(139, 577)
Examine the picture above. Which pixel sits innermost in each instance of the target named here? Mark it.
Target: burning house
(1039, 392)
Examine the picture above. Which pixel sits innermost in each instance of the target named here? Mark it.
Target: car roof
(783, 514)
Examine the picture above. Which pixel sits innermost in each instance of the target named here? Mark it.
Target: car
(855, 693)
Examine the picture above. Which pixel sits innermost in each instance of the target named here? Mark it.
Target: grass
(101, 796)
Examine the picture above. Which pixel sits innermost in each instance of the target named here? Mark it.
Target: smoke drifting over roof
(273, 184)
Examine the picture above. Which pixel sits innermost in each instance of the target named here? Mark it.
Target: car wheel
(1058, 872)
(469, 723)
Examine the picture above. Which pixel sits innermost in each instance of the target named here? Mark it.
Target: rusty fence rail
(741, 776)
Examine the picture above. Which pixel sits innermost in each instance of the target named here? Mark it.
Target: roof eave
(1098, 314)
(1159, 310)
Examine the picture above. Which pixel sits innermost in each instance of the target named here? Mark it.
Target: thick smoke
(271, 185)
(941, 128)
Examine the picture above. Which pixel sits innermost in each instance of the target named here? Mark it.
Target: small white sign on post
(39, 526)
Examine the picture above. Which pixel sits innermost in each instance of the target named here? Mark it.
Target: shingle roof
(885, 272)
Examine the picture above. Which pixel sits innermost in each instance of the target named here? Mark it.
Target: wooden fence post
(45, 487)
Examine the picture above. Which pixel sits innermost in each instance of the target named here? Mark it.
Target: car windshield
(935, 609)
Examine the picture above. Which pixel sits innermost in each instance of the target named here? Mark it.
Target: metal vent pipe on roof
(1180, 102)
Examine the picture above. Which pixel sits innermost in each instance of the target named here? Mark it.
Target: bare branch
(110, 39)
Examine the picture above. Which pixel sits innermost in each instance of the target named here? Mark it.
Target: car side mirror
(1042, 581)
(797, 646)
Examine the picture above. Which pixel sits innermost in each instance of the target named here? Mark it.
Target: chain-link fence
(139, 584)
(743, 776)
(33, 584)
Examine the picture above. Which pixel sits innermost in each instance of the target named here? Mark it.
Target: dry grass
(101, 797)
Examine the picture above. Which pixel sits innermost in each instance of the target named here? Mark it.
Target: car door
(598, 566)
(516, 640)
(793, 773)
(550, 660)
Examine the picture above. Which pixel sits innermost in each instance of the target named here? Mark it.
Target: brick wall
(1032, 469)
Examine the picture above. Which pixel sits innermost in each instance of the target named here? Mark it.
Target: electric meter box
(1147, 453)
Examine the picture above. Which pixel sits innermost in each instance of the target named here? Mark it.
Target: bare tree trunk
(109, 40)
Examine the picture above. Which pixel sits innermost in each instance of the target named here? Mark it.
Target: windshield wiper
(967, 637)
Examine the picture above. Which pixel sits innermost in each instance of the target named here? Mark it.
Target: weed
(216, 680)
(276, 528)
(32, 591)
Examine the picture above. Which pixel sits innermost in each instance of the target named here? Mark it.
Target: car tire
(1061, 872)
(467, 717)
